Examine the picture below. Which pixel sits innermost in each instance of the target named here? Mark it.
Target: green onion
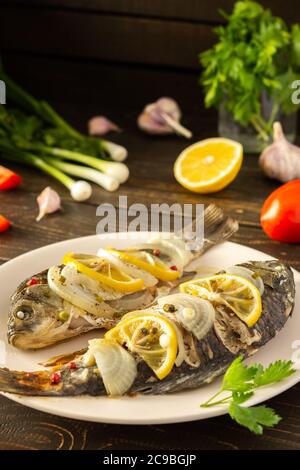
(80, 190)
(116, 170)
(105, 181)
(45, 111)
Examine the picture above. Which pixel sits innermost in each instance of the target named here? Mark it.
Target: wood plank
(112, 38)
(101, 86)
(81, 89)
(25, 428)
(191, 10)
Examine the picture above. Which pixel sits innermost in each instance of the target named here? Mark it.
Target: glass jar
(248, 136)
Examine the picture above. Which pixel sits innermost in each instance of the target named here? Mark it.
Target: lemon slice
(116, 279)
(152, 337)
(235, 292)
(158, 269)
(209, 165)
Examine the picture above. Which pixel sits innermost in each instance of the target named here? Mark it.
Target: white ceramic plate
(184, 406)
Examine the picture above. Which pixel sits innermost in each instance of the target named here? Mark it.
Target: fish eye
(23, 314)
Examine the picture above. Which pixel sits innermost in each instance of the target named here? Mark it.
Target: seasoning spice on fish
(156, 252)
(169, 308)
(55, 378)
(63, 315)
(73, 365)
(32, 282)
(174, 268)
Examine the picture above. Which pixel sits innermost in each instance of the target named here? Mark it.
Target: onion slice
(194, 314)
(117, 366)
(77, 295)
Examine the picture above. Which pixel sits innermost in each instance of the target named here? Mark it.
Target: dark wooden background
(112, 57)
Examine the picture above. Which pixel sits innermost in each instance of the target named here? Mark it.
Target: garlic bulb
(101, 125)
(281, 160)
(48, 202)
(117, 366)
(194, 314)
(162, 117)
(248, 274)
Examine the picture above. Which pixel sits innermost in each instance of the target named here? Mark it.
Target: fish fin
(62, 358)
(27, 383)
(218, 227)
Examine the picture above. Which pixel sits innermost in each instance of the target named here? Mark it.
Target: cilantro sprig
(255, 60)
(242, 381)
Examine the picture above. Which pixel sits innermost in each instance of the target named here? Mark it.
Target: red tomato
(4, 224)
(280, 215)
(8, 179)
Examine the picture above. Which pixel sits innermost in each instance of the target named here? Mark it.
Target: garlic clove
(162, 117)
(48, 202)
(101, 125)
(148, 124)
(281, 159)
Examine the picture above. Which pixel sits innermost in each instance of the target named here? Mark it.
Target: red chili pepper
(156, 252)
(32, 282)
(4, 223)
(8, 179)
(73, 365)
(174, 268)
(55, 378)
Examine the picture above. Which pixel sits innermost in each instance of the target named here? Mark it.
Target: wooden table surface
(150, 162)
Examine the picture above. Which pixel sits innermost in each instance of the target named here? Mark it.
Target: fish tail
(28, 383)
(218, 227)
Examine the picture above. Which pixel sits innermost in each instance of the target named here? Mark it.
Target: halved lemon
(235, 292)
(209, 165)
(152, 337)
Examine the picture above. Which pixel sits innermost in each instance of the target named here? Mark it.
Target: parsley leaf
(242, 380)
(273, 373)
(238, 377)
(255, 60)
(253, 418)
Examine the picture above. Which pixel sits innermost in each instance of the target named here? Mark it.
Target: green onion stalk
(43, 109)
(115, 170)
(79, 190)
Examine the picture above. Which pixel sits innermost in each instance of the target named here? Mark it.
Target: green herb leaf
(275, 372)
(253, 418)
(241, 397)
(238, 377)
(254, 62)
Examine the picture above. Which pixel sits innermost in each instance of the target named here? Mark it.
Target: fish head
(34, 317)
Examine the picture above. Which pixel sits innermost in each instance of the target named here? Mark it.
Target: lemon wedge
(209, 165)
(153, 337)
(235, 292)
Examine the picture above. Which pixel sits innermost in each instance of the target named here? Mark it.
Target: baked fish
(211, 319)
(91, 292)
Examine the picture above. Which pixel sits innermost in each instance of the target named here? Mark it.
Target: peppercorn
(32, 282)
(169, 308)
(63, 316)
(55, 378)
